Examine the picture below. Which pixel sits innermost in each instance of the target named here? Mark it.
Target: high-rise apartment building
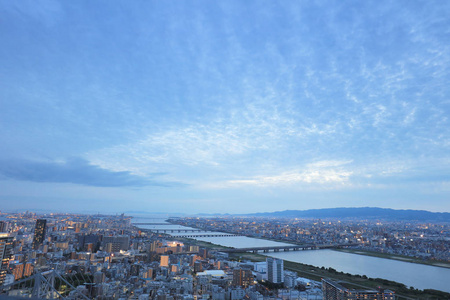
(242, 277)
(6, 247)
(164, 261)
(336, 291)
(39, 233)
(275, 270)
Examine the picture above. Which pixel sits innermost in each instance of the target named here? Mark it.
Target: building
(135, 269)
(3, 226)
(116, 243)
(28, 270)
(149, 273)
(198, 267)
(39, 233)
(275, 270)
(6, 247)
(164, 261)
(84, 242)
(17, 271)
(337, 291)
(242, 277)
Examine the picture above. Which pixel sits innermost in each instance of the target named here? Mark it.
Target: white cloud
(329, 163)
(319, 173)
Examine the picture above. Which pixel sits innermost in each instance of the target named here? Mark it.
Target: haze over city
(224, 106)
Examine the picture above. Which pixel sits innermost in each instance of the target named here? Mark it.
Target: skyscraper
(6, 247)
(39, 233)
(275, 270)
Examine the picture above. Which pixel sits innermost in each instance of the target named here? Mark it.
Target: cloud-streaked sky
(224, 106)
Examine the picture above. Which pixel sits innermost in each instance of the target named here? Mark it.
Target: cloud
(329, 163)
(310, 176)
(260, 132)
(77, 171)
(319, 173)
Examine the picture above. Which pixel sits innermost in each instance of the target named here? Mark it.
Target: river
(417, 275)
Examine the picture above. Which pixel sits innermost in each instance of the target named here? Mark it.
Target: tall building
(18, 271)
(164, 261)
(337, 291)
(28, 270)
(275, 270)
(242, 277)
(116, 243)
(3, 226)
(149, 273)
(6, 247)
(85, 240)
(198, 267)
(39, 233)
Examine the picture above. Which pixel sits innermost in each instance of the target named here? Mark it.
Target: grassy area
(353, 281)
(441, 264)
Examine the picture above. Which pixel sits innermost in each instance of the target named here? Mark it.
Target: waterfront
(232, 241)
(411, 274)
(417, 275)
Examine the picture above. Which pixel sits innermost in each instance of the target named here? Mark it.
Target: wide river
(411, 274)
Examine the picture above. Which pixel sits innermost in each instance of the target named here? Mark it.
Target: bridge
(207, 235)
(285, 248)
(151, 223)
(172, 230)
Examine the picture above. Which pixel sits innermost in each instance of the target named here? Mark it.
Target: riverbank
(316, 273)
(355, 281)
(440, 264)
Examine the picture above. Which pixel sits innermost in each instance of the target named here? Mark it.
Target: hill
(360, 213)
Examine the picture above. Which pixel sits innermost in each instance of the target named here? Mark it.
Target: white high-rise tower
(275, 270)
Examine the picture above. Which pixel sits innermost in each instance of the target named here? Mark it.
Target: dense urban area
(106, 257)
(424, 241)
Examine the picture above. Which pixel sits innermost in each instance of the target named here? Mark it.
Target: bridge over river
(171, 230)
(178, 232)
(285, 248)
(206, 235)
(151, 223)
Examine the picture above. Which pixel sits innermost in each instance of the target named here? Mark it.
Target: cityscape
(226, 149)
(75, 256)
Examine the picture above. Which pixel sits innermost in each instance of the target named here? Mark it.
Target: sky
(224, 106)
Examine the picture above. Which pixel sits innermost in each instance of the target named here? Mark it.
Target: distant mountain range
(360, 213)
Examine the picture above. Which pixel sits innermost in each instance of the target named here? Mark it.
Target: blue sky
(224, 106)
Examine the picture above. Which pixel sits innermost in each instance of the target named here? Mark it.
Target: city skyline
(232, 107)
